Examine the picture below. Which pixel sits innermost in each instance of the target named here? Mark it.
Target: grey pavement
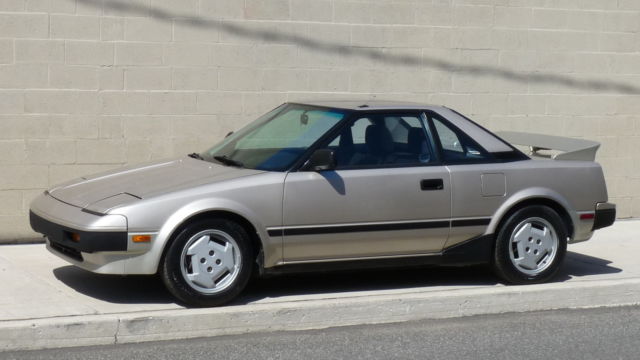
(46, 303)
(603, 333)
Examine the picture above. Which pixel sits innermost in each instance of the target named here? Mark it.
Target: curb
(105, 329)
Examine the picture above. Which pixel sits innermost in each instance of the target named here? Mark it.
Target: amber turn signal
(75, 237)
(141, 238)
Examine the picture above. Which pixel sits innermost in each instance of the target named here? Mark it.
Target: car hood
(103, 191)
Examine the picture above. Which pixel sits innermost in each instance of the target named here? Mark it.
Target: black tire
(191, 293)
(513, 273)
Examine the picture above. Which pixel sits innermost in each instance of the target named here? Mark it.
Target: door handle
(431, 184)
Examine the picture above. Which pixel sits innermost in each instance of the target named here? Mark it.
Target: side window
(380, 140)
(456, 146)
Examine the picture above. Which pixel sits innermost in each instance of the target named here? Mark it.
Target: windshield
(277, 139)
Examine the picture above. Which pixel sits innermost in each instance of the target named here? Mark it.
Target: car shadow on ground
(150, 290)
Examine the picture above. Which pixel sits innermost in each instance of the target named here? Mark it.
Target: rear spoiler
(569, 148)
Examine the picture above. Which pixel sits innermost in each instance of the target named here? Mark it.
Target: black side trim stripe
(470, 222)
(377, 227)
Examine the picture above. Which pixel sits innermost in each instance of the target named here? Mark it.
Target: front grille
(67, 251)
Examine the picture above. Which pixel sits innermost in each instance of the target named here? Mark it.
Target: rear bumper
(605, 215)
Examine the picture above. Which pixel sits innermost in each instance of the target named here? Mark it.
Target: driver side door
(389, 195)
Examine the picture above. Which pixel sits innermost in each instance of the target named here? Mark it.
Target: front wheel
(530, 246)
(208, 263)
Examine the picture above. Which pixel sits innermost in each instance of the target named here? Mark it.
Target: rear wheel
(530, 246)
(208, 263)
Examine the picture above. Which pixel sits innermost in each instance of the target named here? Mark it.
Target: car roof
(366, 105)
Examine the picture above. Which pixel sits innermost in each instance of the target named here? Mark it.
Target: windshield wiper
(228, 161)
(196, 156)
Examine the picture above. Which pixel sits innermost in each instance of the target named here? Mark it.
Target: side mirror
(321, 160)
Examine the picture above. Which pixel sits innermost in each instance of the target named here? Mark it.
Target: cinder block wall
(88, 85)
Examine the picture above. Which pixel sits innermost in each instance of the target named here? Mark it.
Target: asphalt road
(604, 333)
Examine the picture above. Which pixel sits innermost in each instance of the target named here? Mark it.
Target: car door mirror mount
(321, 160)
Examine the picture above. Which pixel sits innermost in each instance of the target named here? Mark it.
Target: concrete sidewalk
(44, 302)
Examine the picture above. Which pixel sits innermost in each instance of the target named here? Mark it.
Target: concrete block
(435, 14)
(524, 104)
(351, 12)
(177, 8)
(512, 17)
(73, 77)
(508, 39)
(72, 127)
(43, 51)
(23, 126)
(111, 28)
(219, 103)
(110, 78)
(47, 152)
(6, 51)
(21, 76)
(242, 79)
(147, 29)
(187, 54)
(393, 13)
(89, 53)
(275, 55)
(10, 202)
(411, 37)
(471, 38)
(625, 63)
(124, 102)
(147, 78)
(135, 53)
(585, 20)
(167, 103)
(61, 102)
(618, 42)
(473, 16)
(490, 104)
(312, 10)
(11, 102)
(138, 8)
(331, 34)
(146, 127)
(13, 152)
(267, 9)
(205, 31)
(328, 80)
(75, 27)
(100, 151)
(371, 36)
(194, 78)
(25, 25)
(621, 21)
(284, 80)
(51, 6)
(110, 127)
(549, 19)
(222, 9)
(18, 177)
(12, 5)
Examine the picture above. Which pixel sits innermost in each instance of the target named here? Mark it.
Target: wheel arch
(557, 203)
(251, 228)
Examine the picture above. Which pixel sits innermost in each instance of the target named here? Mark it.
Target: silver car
(333, 184)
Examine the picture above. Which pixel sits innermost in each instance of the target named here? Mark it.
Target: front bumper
(73, 242)
(102, 246)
